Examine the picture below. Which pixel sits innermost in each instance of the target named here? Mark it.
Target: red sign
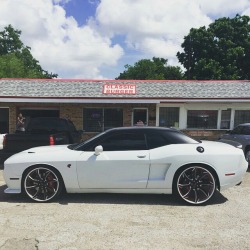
(119, 89)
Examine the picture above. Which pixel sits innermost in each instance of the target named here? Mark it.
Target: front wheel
(195, 184)
(42, 184)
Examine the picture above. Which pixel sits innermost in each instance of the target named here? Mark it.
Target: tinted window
(176, 137)
(156, 141)
(88, 145)
(163, 138)
(245, 130)
(117, 142)
(124, 142)
(51, 125)
(134, 140)
(237, 130)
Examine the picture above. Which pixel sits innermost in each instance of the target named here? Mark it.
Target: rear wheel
(42, 184)
(195, 184)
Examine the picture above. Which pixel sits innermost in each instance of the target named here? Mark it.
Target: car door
(124, 163)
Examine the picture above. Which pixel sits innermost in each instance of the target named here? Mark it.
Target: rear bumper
(235, 179)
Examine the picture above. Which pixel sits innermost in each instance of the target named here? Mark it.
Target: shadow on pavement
(131, 199)
(136, 199)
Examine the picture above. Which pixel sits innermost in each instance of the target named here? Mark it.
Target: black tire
(247, 155)
(194, 184)
(42, 184)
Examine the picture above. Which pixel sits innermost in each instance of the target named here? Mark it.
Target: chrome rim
(196, 185)
(41, 184)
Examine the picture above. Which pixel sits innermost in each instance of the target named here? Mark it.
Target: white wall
(184, 107)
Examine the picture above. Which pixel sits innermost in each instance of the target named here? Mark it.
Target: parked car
(128, 160)
(40, 131)
(1, 141)
(240, 134)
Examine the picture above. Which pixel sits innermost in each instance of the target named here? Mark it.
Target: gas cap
(200, 149)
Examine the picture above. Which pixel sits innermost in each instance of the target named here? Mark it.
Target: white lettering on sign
(119, 89)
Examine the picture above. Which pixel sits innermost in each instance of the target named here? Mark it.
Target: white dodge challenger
(128, 160)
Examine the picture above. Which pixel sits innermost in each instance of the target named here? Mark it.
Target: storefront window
(225, 119)
(202, 119)
(100, 119)
(241, 116)
(169, 117)
(140, 117)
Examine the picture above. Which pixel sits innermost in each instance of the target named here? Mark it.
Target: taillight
(51, 140)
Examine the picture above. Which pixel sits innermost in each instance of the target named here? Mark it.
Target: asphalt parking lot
(114, 221)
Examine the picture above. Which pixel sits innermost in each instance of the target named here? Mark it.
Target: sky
(95, 39)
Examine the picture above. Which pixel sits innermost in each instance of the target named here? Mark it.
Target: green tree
(155, 69)
(16, 59)
(221, 51)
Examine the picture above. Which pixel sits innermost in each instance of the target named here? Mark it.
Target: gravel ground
(113, 221)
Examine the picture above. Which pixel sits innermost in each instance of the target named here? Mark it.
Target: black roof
(142, 128)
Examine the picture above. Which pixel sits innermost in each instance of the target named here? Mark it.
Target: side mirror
(98, 150)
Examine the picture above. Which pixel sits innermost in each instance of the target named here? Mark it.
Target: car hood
(46, 149)
(40, 153)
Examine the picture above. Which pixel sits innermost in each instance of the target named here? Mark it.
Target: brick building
(202, 109)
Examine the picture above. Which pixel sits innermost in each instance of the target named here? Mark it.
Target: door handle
(141, 156)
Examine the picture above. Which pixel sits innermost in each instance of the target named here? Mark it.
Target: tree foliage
(16, 60)
(221, 51)
(155, 69)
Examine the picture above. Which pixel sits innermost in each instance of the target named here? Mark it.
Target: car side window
(163, 138)
(245, 130)
(156, 141)
(47, 125)
(124, 142)
(237, 130)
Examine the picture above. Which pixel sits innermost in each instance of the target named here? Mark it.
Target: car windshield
(78, 145)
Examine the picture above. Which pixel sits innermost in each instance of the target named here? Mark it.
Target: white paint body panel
(146, 171)
(113, 169)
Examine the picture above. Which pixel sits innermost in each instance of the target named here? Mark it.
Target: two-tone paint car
(128, 160)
